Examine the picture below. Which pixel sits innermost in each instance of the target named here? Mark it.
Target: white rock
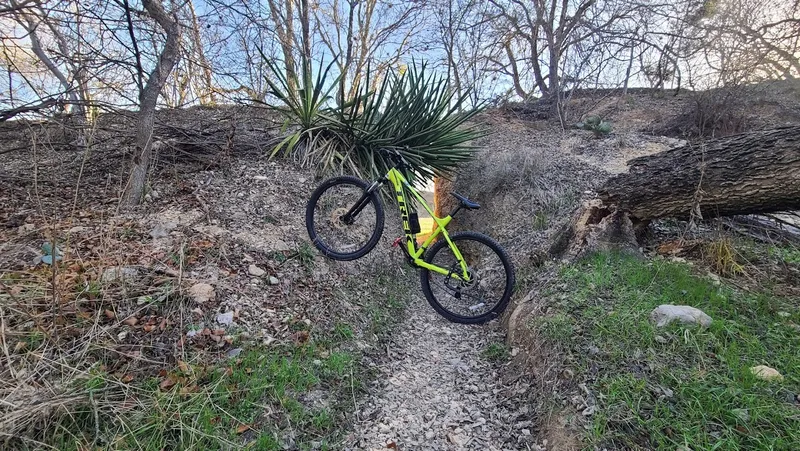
(162, 230)
(225, 318)
(280, 246)
(766, 373)
(121, 336)
(78, 229)
(202, 292)
(120, 273)
(25, 228)
(273, 280)
(666, 313)
(254, 270)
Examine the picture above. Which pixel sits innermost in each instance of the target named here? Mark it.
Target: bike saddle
(466, 203)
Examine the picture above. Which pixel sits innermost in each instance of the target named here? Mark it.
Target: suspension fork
(350, 216)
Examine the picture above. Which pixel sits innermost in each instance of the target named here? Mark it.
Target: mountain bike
(466, 277)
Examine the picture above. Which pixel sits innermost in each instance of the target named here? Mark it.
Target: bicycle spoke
(335, 233)
(469, 299)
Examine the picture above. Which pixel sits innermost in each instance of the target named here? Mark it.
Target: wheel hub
(458, 285)
(336, 218)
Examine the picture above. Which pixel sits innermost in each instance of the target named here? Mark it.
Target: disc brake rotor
(457, 284)
(336, 218)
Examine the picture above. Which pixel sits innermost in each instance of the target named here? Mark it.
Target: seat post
(456, 210)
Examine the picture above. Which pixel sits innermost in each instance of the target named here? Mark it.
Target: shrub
(595, 124)
(720, 112)
(410, 111)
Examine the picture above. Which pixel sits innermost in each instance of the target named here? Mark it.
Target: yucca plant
(410, 111)
(414, 113)
(303, 108)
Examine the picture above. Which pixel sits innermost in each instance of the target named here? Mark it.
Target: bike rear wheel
(487, 294)
(335, 236)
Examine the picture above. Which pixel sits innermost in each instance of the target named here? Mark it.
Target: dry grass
(71, 359)
(504, 170)
(723, 257)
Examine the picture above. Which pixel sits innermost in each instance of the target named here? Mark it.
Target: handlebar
(396, 156)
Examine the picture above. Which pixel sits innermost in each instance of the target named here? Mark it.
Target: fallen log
(753, 173)
(750, 173)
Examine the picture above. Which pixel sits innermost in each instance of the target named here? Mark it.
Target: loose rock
(766, 373)
(202, 292)
(254, 270)
(666, 314)
(437, 392)
(120, 274)
(225, 318)
(162, 230)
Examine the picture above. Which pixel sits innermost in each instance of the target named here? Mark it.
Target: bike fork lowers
(350, 216)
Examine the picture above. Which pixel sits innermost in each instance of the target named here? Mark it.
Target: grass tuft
(497, 352)
(722, 256)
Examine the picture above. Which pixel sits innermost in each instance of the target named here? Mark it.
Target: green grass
(249, 402)
(266, 398)
(496, 352)
(540, 221)
(305, 254)
(789, 255)
(665, 388)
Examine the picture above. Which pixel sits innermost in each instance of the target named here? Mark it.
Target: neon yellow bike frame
(401, 186)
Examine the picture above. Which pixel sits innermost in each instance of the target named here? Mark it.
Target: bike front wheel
(491, 283)
(332, 232)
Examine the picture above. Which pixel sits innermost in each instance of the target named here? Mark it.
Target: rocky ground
(439, 389)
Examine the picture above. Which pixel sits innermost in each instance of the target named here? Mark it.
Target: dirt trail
(435, 390)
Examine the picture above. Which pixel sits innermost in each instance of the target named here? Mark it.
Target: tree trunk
(596, 227)
(206, 93)
(148, 99)
(743, 174)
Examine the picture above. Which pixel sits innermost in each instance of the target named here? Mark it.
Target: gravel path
(436, 391)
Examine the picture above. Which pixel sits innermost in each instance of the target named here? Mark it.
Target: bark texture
(595, 227)
(743, 174)
(148, 99)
